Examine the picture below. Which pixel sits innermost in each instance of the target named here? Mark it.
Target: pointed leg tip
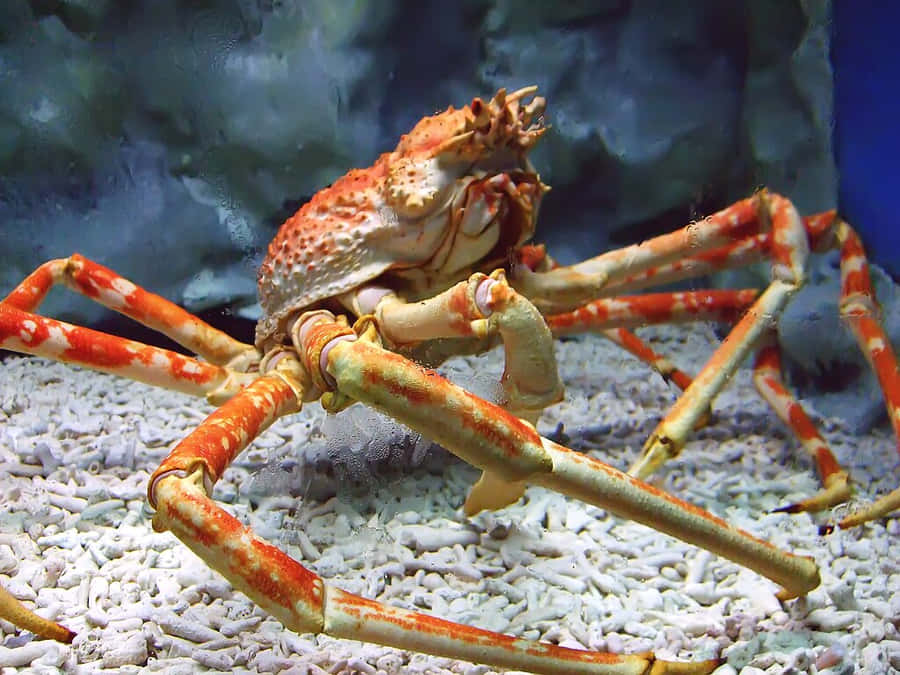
(789, 508)
(658, 450)
(834, 493)
(55, 632)
(50, 630)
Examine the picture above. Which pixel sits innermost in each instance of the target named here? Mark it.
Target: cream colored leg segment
(480, 307)
(592, 481)
(491, 492)
(880, 508)
(789, 252)
(488, 437)
(355, 618)
(669, 437)
(740, 219)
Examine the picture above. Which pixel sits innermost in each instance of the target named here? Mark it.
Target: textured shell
(391, 215)
(325, 248)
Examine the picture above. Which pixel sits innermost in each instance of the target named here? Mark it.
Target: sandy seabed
(376, 512)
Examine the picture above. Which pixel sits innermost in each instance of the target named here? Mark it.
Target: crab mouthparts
(503, 121)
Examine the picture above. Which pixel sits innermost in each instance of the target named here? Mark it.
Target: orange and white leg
(481, 307)
(568, 295)
(19, 615)
(723, 306)
(121, 295)
(740, 253)
(662, 365)
(179, 491)
(860, 311)
(660, 260)
(729, 237)
(22, 330)
(28, 333)
(633, 344)
(569, 323)
(789, 251)
(610, 316)
(768, 380)
(734, 237)
(491, 438)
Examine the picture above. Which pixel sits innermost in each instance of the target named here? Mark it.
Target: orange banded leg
(727, 238)
(304, 603)
(734, 223)
(835, 480)
(691, 266)
(640, 349)
(733, 237)
(789, 250)
(739, 253)
(728, 256)
(481, 307)
(491, 438)
(299, 598)
(859, 310)
(720, 239)
(28, 333)
(650, 308)
(601, 315)
(19, 615)
(669, 372)
(23, 331)
(117, 293)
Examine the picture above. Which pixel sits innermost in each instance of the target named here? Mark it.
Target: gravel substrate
(377, 512)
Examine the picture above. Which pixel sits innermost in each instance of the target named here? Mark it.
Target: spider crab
(422, 256)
